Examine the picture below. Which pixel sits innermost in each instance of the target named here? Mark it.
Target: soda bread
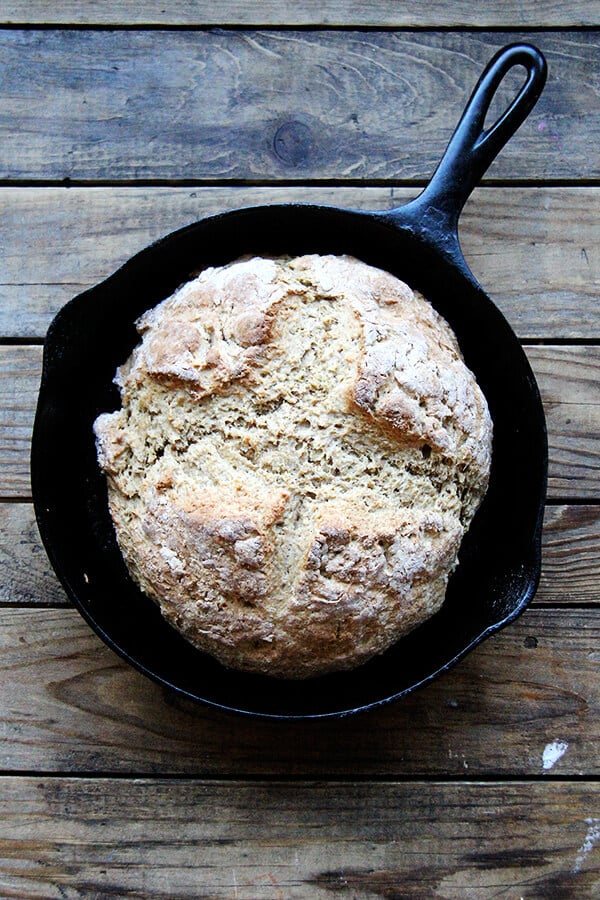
(299, 452)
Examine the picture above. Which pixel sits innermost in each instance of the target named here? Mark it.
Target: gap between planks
(301, 779)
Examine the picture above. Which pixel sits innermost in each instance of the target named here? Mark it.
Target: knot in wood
(293, 143)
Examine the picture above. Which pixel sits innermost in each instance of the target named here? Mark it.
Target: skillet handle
(472, 149)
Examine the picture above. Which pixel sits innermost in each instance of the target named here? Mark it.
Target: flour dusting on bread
(298, 455)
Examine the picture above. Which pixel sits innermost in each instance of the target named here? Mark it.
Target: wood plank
(570, 568)
(571, 555)
(74, 837)
(535, 250)
(277, 105)
(68, 704)
(569, 379)
(20, 371)
(436, 14)
(27, 576)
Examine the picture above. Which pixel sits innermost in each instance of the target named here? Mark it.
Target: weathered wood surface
(535, 250)
(569, 379)
(20, 370)
(27, 576)
(277, 105)
(570, 566)
(293, 112)
(438, 13)
(68, 838)
(68, 704)
(571, 555)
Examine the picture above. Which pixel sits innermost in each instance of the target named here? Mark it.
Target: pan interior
(91, 336)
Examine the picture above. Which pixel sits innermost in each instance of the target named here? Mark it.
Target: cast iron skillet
(500, 558)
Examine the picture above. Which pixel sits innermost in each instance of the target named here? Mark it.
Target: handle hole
(507, 92)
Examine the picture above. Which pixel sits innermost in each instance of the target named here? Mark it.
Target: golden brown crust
(298, 455)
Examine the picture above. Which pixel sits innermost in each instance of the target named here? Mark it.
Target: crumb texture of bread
(299, 452)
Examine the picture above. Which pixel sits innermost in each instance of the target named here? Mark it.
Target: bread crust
(299, 452)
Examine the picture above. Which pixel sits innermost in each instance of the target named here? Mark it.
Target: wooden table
(485, 784)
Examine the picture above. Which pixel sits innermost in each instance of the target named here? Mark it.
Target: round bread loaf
(299, 452)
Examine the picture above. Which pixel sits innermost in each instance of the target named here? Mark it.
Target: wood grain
(58, 242)
(569, 379)
(570, 566)
(571, 555)
(68, 838)
(484, 784)
(277, 105)
(20, 370)
(27, 576)
(535, 250)
(68, 704)
(438, 13)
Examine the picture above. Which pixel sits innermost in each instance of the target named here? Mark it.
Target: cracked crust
(299, 452)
